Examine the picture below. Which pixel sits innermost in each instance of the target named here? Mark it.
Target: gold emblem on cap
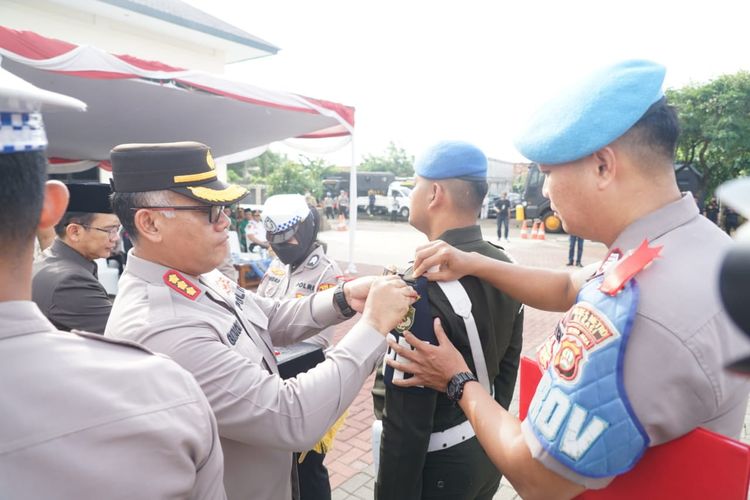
(210, 160)
(230, 193)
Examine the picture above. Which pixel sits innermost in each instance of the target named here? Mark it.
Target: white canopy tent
(132, 100)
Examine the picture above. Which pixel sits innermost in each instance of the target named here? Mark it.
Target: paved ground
(380, 243)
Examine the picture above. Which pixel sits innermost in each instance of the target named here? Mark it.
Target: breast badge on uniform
(325, 286)
(179, 284)
(313, 262)
(407, 322)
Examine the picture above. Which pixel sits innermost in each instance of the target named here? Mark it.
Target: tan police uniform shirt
(66, 289)
(88, 417)
(224, 336)
(317, 273)
(681, 338)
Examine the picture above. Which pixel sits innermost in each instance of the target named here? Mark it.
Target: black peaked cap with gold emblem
(89, 197)
(186, 168)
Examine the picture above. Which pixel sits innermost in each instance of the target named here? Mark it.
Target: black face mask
(295, 253)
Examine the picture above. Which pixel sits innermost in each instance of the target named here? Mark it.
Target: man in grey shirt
(82, 416)
(65, 285)
(639, 357)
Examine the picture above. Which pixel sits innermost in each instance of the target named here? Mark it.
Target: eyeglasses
(214, 211)
(111, 231)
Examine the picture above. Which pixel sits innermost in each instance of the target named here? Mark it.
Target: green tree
(255, 170)
(317, 170)
(395, 160)
(715, 122)
(290, 177)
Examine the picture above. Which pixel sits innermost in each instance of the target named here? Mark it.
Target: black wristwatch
(456, 385)
(340, 300)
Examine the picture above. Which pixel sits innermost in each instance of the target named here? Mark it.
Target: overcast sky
(421, 71)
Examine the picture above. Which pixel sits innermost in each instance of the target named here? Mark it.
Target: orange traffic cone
(524, 230)
(535, 230)
(540, 234)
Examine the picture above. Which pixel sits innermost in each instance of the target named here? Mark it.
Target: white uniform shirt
(88, 417)
(315, 274)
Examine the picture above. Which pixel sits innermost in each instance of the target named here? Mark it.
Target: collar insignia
(179, 284)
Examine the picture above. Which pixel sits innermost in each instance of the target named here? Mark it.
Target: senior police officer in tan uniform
(65, 284)
(301, 268)
(172, 300)
(82, 416)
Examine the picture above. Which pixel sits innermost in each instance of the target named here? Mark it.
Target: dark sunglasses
(214, 211)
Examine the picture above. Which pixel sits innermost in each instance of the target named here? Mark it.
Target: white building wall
(499, 176)
(113, 30)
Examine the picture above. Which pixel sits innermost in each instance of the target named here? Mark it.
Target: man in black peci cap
(65, 284)
(172, 299)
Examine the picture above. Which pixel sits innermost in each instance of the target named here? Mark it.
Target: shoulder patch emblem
(179, 284)
(325, 286)
(313, 262)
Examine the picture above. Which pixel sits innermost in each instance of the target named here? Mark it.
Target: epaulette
(179, 284)
(109, 340)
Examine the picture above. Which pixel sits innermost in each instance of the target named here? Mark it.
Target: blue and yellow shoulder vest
(580, 412)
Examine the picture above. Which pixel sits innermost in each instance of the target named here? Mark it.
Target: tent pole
(352, 268)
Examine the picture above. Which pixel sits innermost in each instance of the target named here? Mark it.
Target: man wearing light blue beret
(638, 358)
(428, 448)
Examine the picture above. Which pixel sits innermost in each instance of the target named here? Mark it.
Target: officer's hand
(432, 366)
(449, 262)
(356, 292)
(388, 302)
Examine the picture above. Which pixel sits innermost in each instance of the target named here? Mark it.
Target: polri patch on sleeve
(313, 262)
(179, 284)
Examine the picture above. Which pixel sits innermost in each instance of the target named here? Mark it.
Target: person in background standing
(502, 205)
(371, 202)
(247, 216)
(712, 211)
(328, 205)
(343, 203)
(232, 221)
(395, 205)
(575, 241)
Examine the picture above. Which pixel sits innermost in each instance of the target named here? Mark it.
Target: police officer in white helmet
(301, 267)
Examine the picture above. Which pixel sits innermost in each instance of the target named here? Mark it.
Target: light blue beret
(451, 159)
(593, 113)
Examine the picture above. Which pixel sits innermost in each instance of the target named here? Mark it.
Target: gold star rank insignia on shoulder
(179, 284)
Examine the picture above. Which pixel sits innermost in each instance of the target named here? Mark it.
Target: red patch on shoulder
(179, 284)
